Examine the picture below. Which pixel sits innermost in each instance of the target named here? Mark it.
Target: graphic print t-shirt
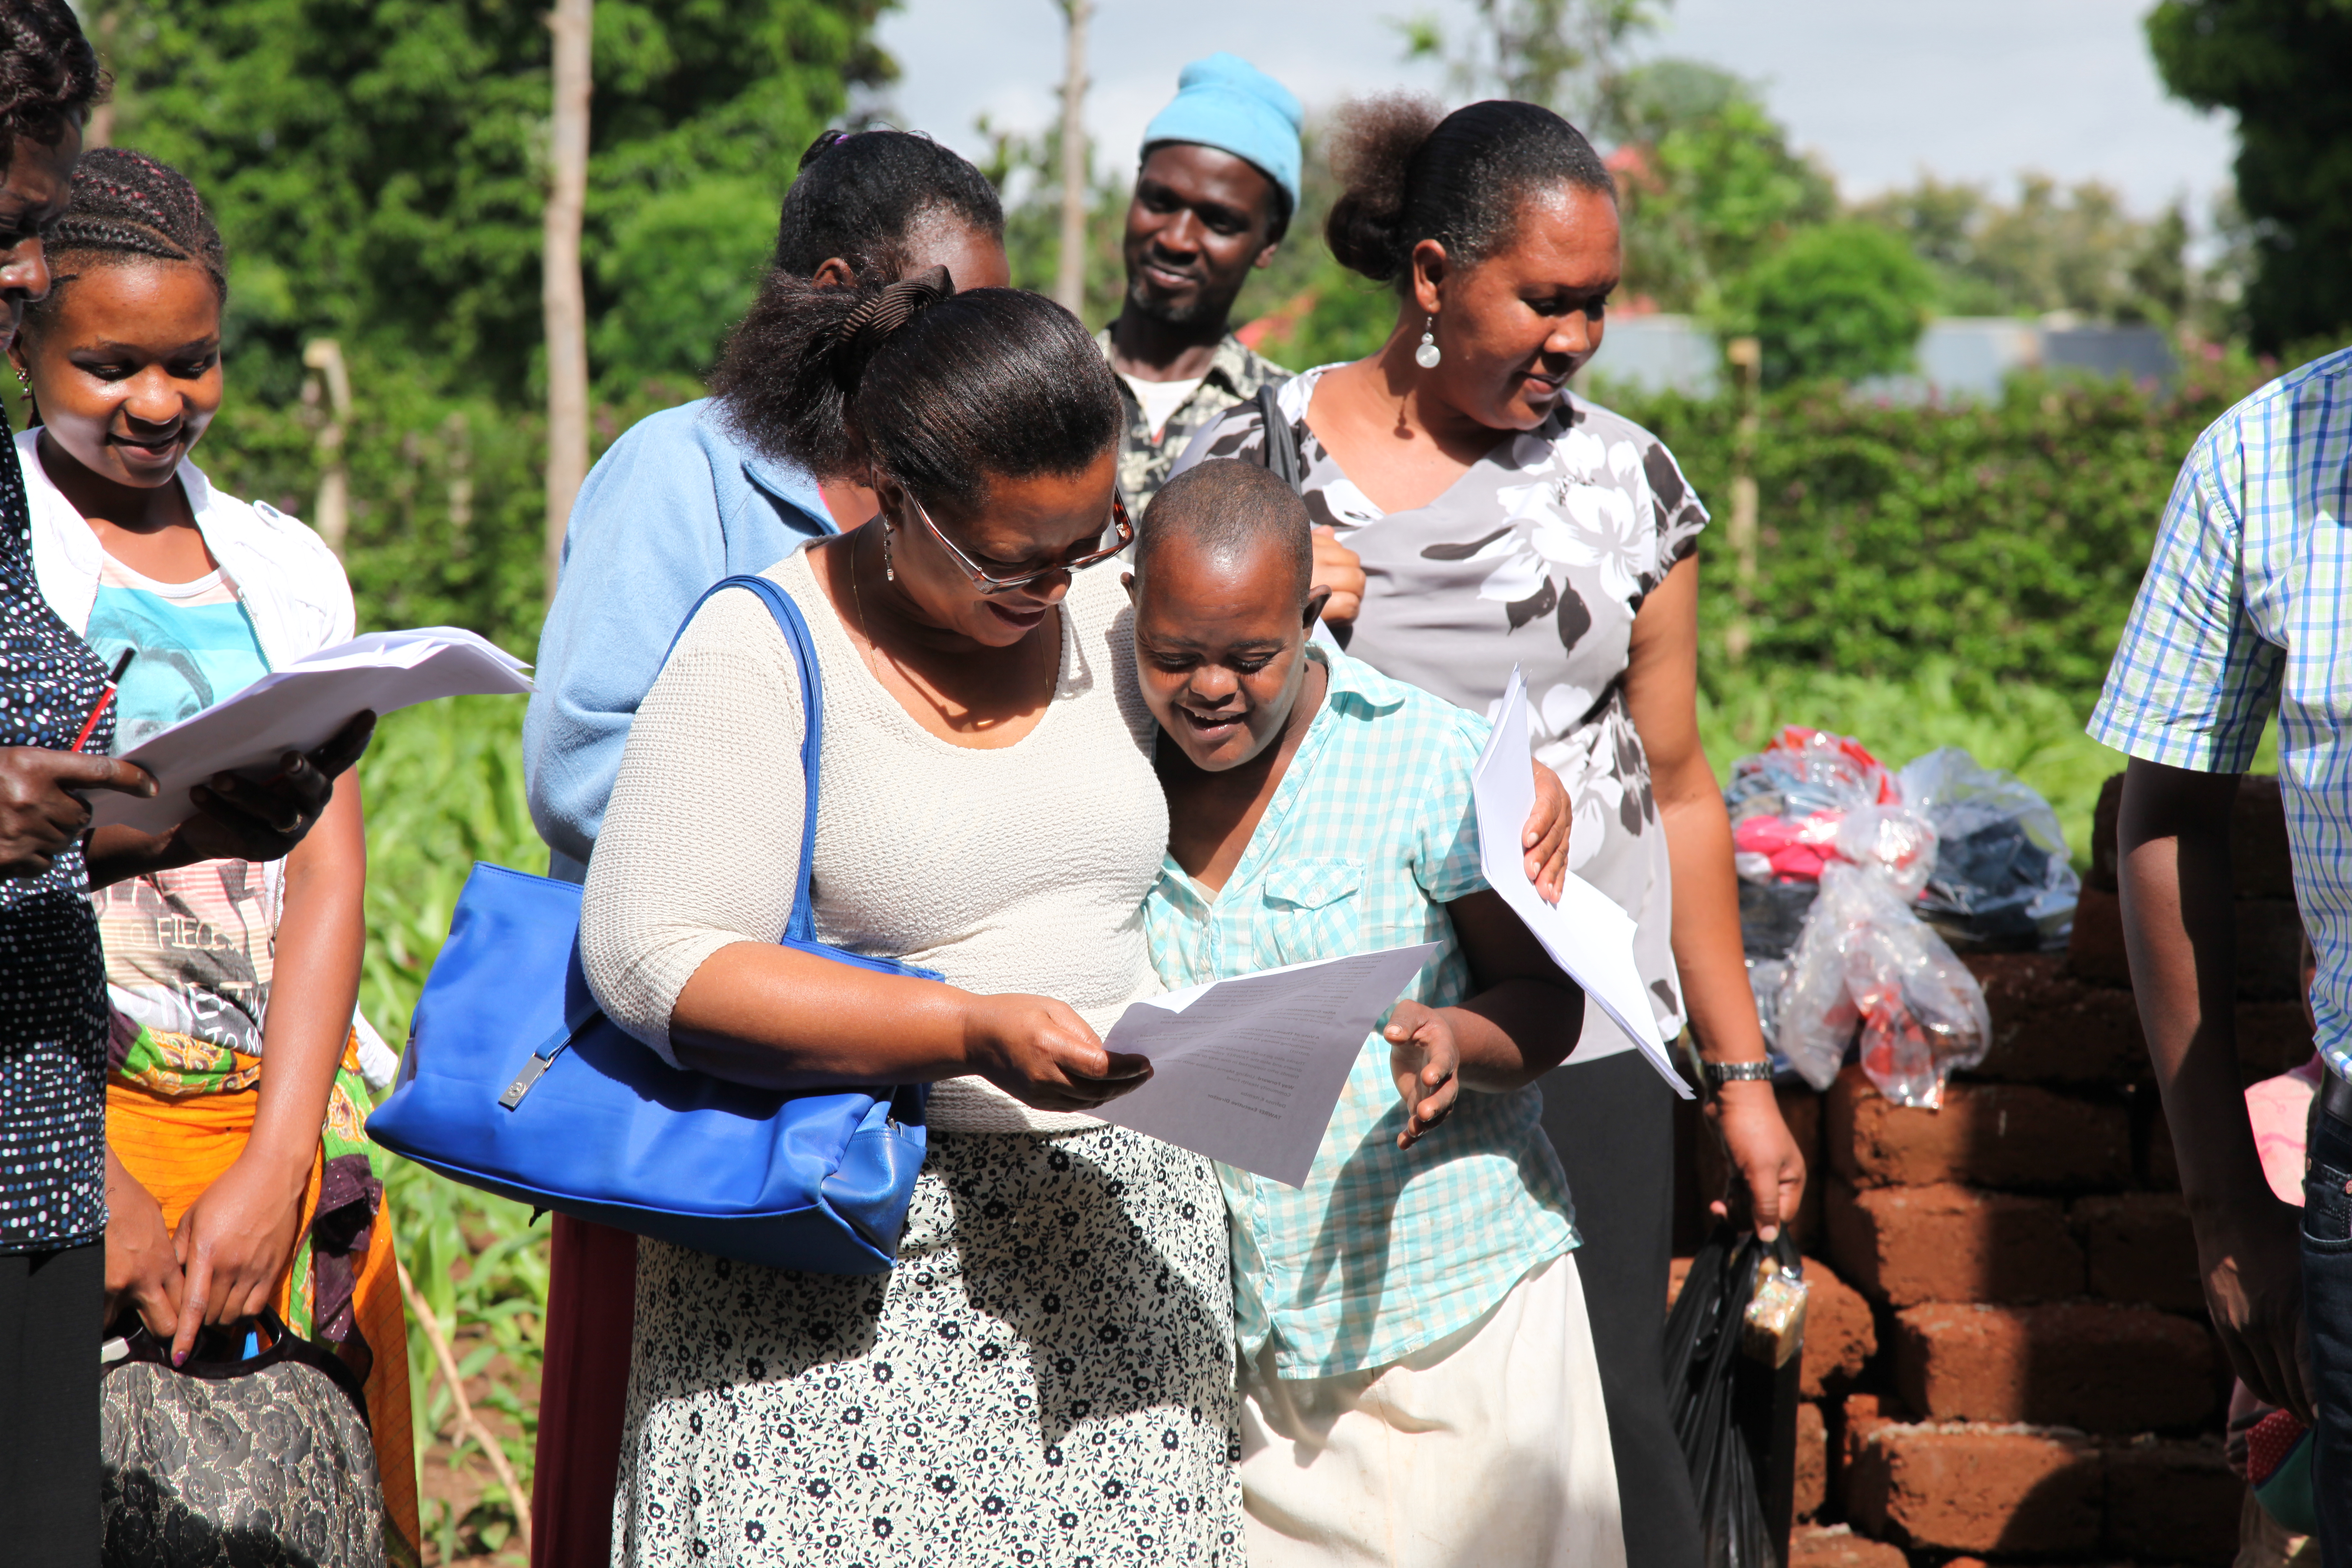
(188, 952)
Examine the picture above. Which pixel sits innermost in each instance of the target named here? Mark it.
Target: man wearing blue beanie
(1218, 185)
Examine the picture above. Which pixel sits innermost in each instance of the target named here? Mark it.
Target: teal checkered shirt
(2247, 607)
(1383, 1251)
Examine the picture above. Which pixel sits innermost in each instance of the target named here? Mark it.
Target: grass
(444, 787)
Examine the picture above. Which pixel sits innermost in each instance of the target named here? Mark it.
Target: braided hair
(127, 206)
(49, 75)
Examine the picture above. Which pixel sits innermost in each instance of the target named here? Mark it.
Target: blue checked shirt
(2247, 605)
(1383, 1251)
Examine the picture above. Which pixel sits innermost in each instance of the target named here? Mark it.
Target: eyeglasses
(1122, 529)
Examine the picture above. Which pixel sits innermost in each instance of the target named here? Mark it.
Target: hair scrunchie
(826, 141)
(876, 320)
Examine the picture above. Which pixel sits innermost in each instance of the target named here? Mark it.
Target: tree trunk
(562, 292)
(1070, 277)
(332, 513)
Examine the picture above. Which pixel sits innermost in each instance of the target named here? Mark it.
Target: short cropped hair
(1227, 507)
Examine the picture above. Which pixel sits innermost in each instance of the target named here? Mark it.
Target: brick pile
(2008, 1358)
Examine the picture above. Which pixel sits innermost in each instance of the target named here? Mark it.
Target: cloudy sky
(1881, 90)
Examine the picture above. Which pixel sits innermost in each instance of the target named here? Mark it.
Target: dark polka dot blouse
(52, 974)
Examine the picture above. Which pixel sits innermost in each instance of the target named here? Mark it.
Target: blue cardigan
(675, 505)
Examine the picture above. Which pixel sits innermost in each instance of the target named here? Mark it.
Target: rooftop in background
(1958, 356)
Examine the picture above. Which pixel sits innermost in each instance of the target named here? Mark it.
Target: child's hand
(142, 1270)
(1427, 1063)
(1544, 839)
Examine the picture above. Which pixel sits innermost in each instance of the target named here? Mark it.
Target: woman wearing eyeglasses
(1049, 1368)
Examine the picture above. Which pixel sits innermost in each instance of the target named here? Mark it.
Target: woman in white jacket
(238, 1177)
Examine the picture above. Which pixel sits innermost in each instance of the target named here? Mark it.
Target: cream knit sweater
(1018, 869)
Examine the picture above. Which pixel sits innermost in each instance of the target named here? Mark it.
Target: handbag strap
(802, 924)
(1280, 445)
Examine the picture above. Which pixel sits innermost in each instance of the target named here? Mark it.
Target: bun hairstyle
(49, 75)
(861, 193)
(127, 206)
(940, 391)
(1408, 172)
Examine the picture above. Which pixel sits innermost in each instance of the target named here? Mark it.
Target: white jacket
(288, 581)
(287, 578)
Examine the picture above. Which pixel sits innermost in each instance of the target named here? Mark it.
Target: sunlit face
(1220, 648)
(1196, 225)
(1513, 328)
(125, 367)
(1025, 525)
(32, 195)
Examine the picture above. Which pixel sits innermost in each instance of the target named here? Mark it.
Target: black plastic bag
(1735, 1415)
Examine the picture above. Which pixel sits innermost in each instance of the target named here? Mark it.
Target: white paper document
(301, 707)
(1248, 1070)
(1586, 932)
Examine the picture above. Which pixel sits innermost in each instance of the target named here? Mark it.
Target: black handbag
(231, 1460)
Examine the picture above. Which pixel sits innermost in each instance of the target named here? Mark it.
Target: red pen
(105, 697)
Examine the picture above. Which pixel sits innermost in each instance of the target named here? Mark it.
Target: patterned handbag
(258, 1461)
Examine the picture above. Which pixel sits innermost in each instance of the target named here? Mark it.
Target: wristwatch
(1720, 1073)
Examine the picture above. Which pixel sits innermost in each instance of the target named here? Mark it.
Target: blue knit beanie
(1226, 103)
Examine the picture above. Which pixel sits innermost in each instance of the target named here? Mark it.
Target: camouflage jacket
(1233, 376)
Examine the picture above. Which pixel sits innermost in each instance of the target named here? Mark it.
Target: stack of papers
(301, 707)
(1248, 1070)
(1587, 934)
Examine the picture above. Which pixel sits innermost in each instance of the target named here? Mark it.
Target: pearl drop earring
(890, 572)
(1428, 354)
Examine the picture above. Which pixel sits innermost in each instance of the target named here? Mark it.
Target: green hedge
(2005, 539)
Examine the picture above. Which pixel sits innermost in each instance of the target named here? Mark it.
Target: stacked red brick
(2034, 1378)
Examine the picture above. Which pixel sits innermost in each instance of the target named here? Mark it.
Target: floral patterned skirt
(1046, 1377)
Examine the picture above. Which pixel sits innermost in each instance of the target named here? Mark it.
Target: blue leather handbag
(515, 1081)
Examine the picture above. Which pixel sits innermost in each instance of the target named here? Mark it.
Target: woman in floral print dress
(1502, 522)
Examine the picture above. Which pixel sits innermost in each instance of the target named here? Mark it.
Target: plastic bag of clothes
(1865, 960)
(1733, 1353)
(2002, 881)
(1833, 853)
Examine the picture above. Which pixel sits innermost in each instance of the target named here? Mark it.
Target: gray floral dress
(1538, 557)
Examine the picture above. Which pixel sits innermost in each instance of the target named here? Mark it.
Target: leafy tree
(1708, 183)
(1566, 55)
(2281, 65)
(377, 164)
(378, 167)
(1842, 299)
(2075, 249)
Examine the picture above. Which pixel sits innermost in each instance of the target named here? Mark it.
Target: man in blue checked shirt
(1419, 1382)
(2247, 607)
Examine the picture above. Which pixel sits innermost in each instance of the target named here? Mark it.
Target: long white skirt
(1487, 1449)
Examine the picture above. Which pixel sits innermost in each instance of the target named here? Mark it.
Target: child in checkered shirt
(1418, 1370)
